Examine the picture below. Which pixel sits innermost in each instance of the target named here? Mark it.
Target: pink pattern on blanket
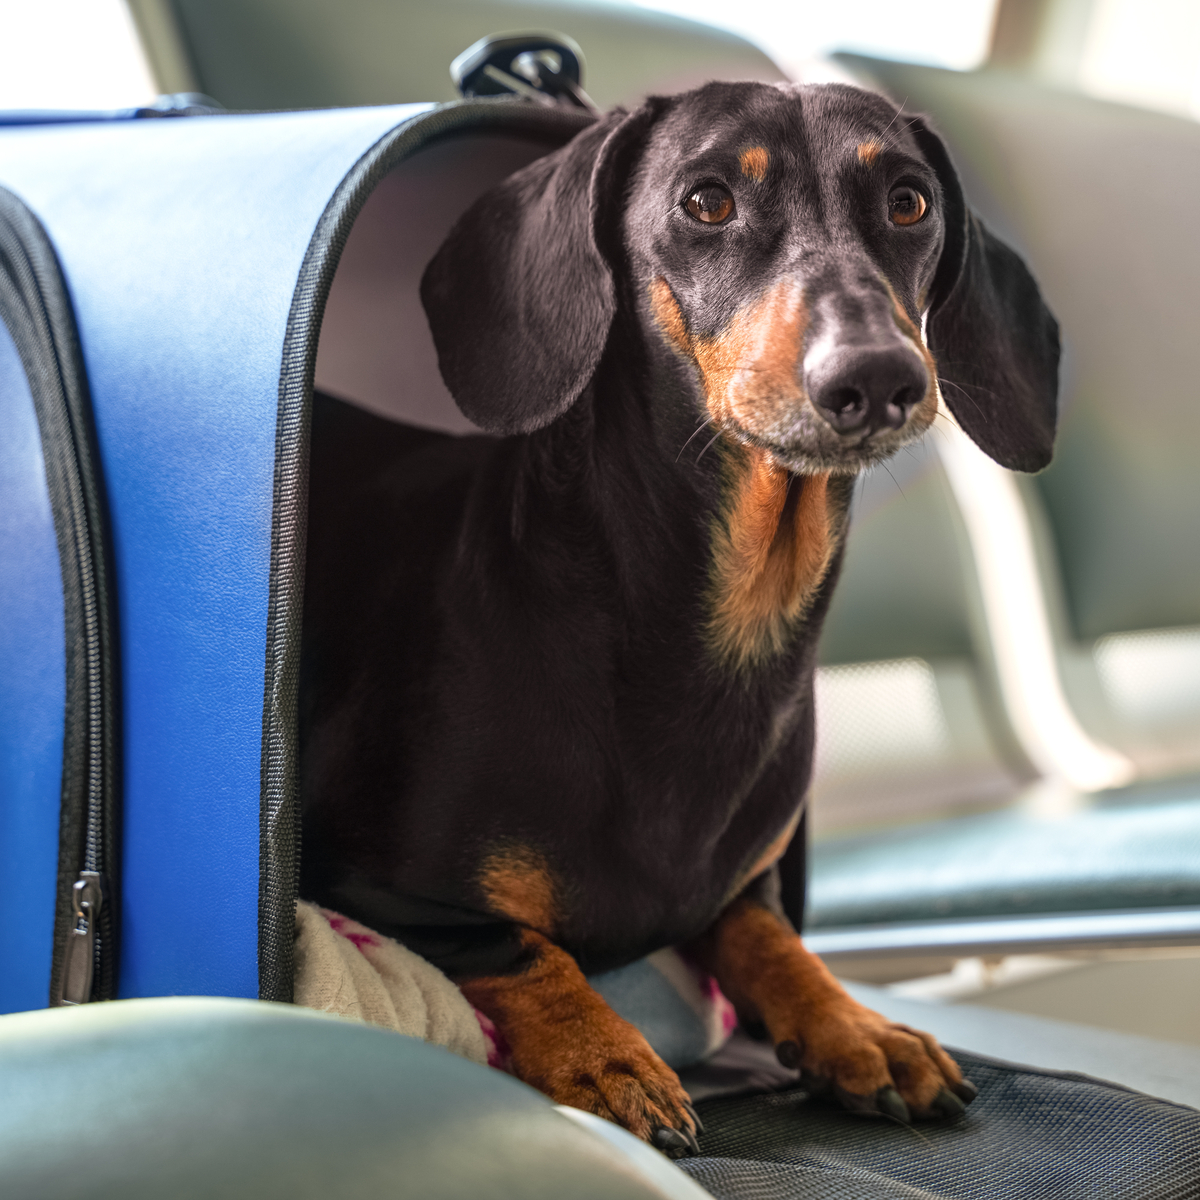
(719, 1001)
(711, 992)
(729, 1018)
(499, 1054)
(358, 935)
(706, 999)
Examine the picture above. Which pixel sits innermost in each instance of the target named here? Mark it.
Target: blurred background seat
(260, 54)
(1097, 196)
(911, 721)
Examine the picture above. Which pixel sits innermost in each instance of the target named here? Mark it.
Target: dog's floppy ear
(520, 297)
(994, 339)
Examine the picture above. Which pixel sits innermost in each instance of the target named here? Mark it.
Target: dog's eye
(711, 204)
(906, 206)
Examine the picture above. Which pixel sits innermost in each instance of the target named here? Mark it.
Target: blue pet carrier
(163, 284)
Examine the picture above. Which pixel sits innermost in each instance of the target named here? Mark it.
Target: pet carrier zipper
(36, 309)
(83, 942)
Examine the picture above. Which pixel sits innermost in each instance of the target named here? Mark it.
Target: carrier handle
(544, 67)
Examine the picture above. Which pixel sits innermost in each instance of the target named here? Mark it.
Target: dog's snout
(865, 388)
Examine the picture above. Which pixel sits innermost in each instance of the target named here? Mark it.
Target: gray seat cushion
(210, 1097)
(1131, 849)
(1059, 1130)
(205, 1097)
(1030, 1134)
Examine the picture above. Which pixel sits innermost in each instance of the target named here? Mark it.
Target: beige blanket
(343, 967)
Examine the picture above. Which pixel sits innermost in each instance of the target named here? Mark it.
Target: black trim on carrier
(279, 821)
(36, 308)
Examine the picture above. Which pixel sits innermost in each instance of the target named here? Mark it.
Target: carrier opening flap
(376, 349)
(199, 255)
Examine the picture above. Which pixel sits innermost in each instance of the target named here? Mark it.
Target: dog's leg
(568, 1043)
(872, 1064)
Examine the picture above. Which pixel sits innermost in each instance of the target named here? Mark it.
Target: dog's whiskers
(894, 119)
(709, 444)
(979, 387)
(965, 394)
(706, 421)
(894, 480)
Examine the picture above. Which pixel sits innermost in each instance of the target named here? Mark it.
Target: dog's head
(804, 253)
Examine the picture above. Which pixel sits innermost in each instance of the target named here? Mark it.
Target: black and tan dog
(557, 694)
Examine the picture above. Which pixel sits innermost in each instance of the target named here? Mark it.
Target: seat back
(307, 53)
(1099, 198)
(909, 723)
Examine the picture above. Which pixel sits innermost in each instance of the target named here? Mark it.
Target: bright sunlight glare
(73, 54)
(943, 33)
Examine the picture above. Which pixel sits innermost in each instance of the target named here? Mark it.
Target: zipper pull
(80, 958)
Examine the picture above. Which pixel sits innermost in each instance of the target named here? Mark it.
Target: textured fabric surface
(343, 967)
(36, 309)
(677, 1007)
(1030, 1135)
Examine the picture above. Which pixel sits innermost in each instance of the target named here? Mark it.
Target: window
(72, 54)
(1144, 52)
(942, 33)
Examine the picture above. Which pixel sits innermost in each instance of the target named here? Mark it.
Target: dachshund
(557, 678)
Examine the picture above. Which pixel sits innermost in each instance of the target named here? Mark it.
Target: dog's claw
(891, 1104)
(966, 1091)
(690, 1109)
(947, 1105)
(856, 1103)
(789, 1054)
(671, 1142)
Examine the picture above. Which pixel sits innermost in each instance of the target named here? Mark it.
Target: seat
(206, 1096)
(910, 723)
(202, 1096)
(1097, 196)
(1101, 851)
(264, 54)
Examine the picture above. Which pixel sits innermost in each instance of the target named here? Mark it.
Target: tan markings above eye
(906, 206)
(711, 204)
(754, 162)
(868, 152)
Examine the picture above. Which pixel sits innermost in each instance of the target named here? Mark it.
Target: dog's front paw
(616, 1075)
(568, 1043)
(872, 1064)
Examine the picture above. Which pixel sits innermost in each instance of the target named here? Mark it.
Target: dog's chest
(615, 877)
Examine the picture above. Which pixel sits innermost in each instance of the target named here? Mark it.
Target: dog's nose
(867, 388)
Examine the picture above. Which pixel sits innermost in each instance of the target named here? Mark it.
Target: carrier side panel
(181, 242)
(32, 694)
